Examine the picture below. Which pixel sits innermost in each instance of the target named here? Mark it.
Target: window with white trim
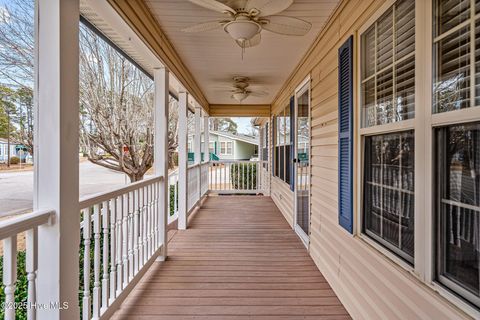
(456, 87)
(226, 148)
(282, 145)
(387, 99)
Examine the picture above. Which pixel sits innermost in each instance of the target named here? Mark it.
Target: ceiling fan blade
(213, 5)
(287, 26)
(255, 41)
(259, 94)
(268, 7)
(206, 26)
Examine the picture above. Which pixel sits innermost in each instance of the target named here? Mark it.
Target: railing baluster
(119, 216)
(149, 221)
(113, 249)
(130, 206)
(105, 225)
(86, 264)
(145, 224)
(31, 237)
(9, 275)
(124, 239)
(135, 229)
(141, 209)
(96, 262)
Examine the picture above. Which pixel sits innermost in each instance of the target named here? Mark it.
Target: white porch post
(182, 160)
(206, 137)
(161, 151)
(56, 156)
(198, 140)
(198, 149)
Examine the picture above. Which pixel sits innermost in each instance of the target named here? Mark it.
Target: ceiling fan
(240, 89)
(246, 19)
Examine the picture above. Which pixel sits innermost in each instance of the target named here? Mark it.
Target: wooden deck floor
(239, 259)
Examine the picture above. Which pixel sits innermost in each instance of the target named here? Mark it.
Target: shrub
(14, 160)
(173, 205)
(244, 176)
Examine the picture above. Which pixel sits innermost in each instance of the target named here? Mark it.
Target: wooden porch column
(182, 160)
(206, 137)
(56, 156)
(160, 148)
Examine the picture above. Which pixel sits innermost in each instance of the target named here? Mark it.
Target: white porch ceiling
(214, 59)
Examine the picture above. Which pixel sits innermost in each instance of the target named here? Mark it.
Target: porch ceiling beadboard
(140, 19)
(214, 58)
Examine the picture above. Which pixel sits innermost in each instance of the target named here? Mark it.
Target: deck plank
(238, 260)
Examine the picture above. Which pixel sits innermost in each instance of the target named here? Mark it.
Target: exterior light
(242, 29)
(240, 96)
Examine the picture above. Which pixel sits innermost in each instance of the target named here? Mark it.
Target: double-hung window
(282, 145)
(387, 129)
(226, 148)
(456, 125)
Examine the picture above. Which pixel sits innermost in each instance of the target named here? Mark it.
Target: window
(456, 161)
(458, 208)
(211, 147)
(226, 148)
(264, 151)
(283, 145)
(190, 146)
(456, 64)
(388, 97)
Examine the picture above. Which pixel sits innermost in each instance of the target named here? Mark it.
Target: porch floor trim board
(239, 259)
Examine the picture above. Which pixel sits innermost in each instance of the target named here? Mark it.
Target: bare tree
(116, 102)
(17, 43)
(116, 99)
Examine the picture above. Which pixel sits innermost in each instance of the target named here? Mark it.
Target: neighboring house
(16, 150)
(228, 146)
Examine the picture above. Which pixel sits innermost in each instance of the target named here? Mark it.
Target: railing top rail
(105, 196)
(14, 226)
(194, 166)
(234, 161)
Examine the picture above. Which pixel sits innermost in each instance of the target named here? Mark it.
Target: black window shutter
(291, 165)
(345, 135)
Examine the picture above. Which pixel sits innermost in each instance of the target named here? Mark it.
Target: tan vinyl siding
(283, 198)
(370, 285)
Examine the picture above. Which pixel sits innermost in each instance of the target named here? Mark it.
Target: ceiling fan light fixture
(242, 30)
(240, 96)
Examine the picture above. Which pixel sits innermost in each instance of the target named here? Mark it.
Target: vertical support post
(161, 156)
(56, 152)
(198, 149)
(182, 160)
(198, 140)
(206, 137)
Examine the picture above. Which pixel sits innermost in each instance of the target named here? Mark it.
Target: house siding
(370, 285)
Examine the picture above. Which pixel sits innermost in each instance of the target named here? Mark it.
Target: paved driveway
(16, 188)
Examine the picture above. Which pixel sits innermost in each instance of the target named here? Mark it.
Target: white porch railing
(120, 239)
(9, 230)
(197, 184)
(235, 177)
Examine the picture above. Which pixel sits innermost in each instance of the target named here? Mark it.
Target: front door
(302, 163)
